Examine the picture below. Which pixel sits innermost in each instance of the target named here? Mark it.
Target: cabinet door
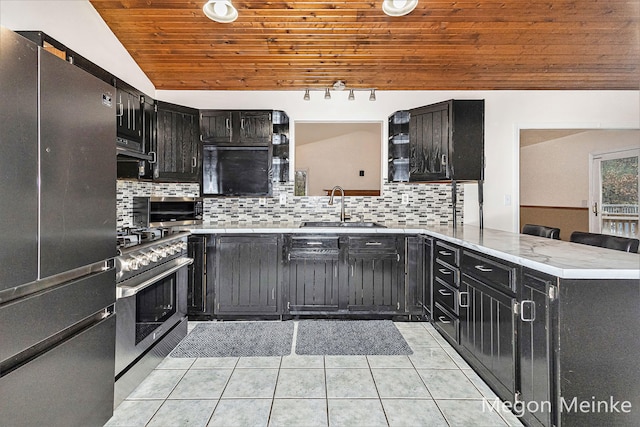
(535, 342)
(177, 147)
(374, 283)
(429, 143)
(313, 283)
(149, 134)
(254, 128)
(216, 127)
(247, 275)
(487, 333)
(427, 292)
(415, 266)
(199, 295)
(128, 114)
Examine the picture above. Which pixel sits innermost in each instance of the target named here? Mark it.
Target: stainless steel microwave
(166, 211)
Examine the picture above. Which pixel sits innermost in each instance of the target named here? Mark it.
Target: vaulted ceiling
(441, 45)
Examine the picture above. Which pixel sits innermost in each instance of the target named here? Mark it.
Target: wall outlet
(405, 199)
(283, 198)
(262, 201)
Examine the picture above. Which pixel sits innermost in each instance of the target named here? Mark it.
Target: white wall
(336, 161)
(76, 24)
(556, 172)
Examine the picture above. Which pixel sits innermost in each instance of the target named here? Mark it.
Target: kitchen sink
(341, 224)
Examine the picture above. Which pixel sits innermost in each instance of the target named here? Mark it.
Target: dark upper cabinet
(238, 128)
(128, 112)
(215, 127)
(445, 142)
(149, 135)
(178, 157)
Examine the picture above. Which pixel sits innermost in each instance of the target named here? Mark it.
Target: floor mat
(235, 339)
(350, 337)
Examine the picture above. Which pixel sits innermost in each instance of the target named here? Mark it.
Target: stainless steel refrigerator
(58, 240)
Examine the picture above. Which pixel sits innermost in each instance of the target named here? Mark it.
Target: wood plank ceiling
(441, 45)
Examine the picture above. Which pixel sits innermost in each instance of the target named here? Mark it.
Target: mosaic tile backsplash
(427, 204)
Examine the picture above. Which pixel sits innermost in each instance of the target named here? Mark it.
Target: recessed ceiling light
(398, 7)
(220, 11)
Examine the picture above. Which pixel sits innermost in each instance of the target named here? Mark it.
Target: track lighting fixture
(220, 11)
(339, 86)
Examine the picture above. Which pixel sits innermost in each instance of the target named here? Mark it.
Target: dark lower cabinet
(416, 275)
(313, 273)
(375, 280)
(199, 295)
(487, 334)
(247, 274)
(535, 348)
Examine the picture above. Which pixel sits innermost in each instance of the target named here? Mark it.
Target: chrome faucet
(337, 187)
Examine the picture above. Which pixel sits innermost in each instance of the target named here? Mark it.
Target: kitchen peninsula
(544, 322)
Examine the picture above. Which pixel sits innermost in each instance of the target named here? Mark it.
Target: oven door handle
(127, 291)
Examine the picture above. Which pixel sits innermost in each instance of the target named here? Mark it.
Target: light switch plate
(405, 199)
(507, 199)
(262, 201)
(283, 198)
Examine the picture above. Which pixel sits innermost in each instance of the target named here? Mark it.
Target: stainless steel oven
(151, 307)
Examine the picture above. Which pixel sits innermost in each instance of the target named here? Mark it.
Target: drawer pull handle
(314, 243)
(445, 253)
(444, 293)
(532, 311)
(444, 271)
(466, 295)
(483, 268)
(373, 243)
(443, 319)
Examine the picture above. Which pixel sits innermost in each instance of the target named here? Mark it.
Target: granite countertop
(558, 258)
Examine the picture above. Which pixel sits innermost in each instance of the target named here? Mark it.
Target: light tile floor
(432, 387)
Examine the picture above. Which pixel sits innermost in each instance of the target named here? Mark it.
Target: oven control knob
(162, 252)
(133, 263)
(128, 264)
(170, 249)
(153, 256)
(142, 259)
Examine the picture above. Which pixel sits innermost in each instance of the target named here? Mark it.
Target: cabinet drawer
(445, 296)
(447, 253)
(447, 323)
(489, 271)
(378, 244)
(447, 274)
(314, 242)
